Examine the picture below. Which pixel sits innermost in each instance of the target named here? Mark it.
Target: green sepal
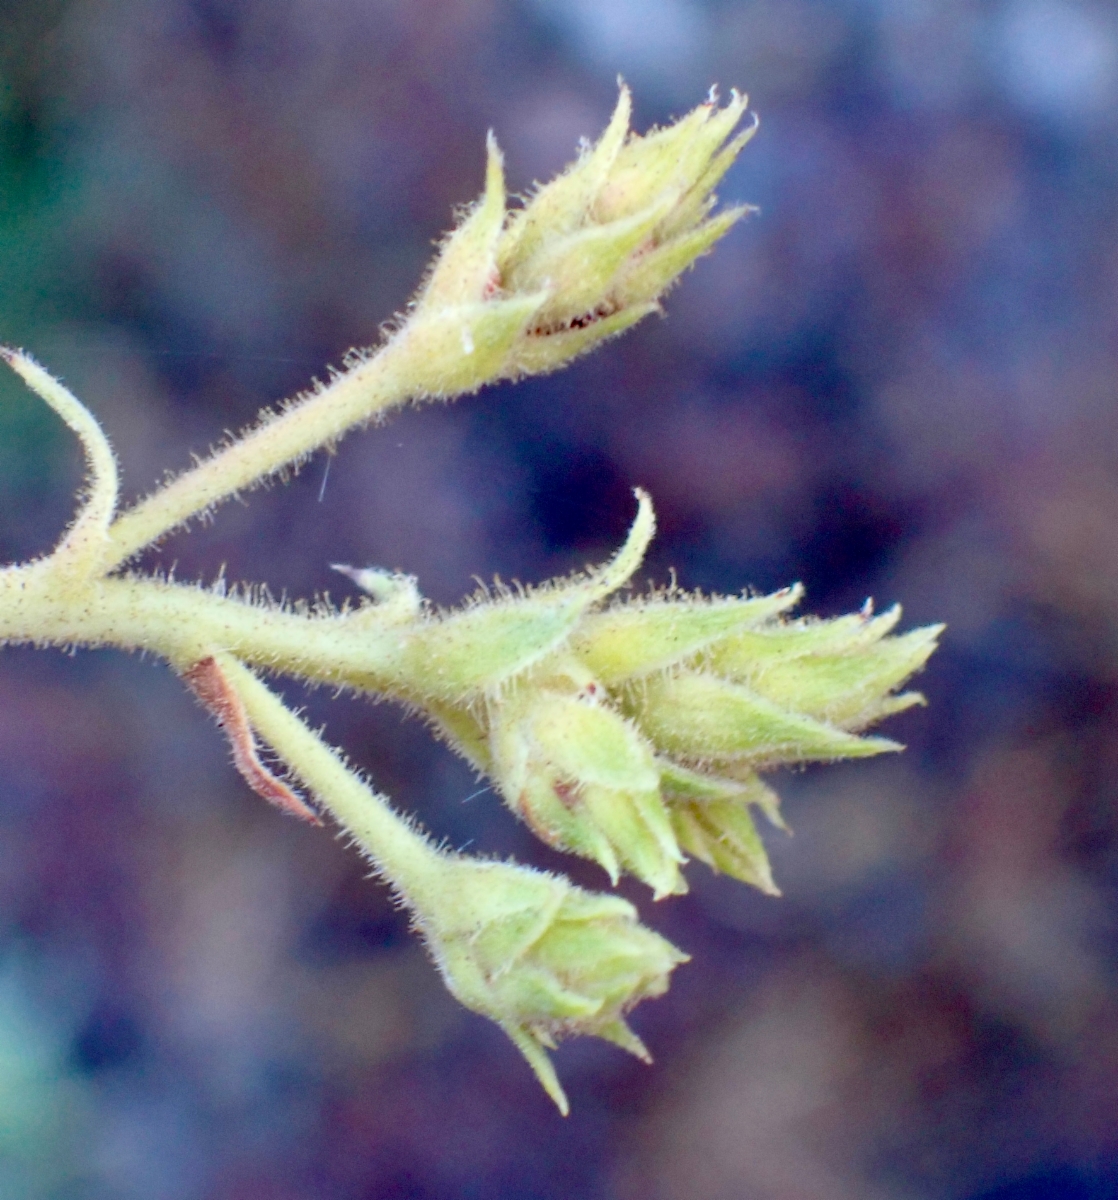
(580, 270)
(531, 1044)
(543, 350)
(654, 272)
(562, 206)
(722, 834)
(681, 784)
(849, 690)
(699, 200)
(701, 718)
(461, 727)
(458, 657)
(711, 818)
(675, 156)
(736, 655)
(466, 269)
(461, 347)
(644, 636)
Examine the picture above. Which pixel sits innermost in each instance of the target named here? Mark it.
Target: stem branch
(403, 855)
(363, 392)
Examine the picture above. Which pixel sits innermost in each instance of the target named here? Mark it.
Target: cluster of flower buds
(632, 734)
(543, 958)
(586, 257)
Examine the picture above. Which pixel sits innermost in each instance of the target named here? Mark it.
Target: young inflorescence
(631, 733)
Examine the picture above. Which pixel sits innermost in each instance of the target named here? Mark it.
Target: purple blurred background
(899, 380)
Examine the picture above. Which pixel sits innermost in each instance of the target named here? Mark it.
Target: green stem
(184, 624)
(403, 855)
(363, 392)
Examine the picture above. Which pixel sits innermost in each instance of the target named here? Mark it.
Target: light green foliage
(630, 733)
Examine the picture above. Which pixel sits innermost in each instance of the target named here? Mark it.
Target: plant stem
(183, 624)
(361, 393)
(403, 855)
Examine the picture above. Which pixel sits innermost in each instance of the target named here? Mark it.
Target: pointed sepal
(698, 717)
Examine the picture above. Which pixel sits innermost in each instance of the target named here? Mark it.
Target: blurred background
(898, 380)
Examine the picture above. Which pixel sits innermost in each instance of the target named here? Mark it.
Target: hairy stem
(183, 624)
(363, 392)
(403, 855)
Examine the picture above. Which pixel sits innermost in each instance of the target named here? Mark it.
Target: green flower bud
(712, 821)
(543, 958)
(842, 672)
(585, 781)
(589, 254)
(644, 636)
(616, 230)
(698, 717)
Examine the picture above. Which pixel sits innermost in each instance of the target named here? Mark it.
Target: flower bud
(614, 232)
(588, 255)
(632, 640)
(711, 819)
(698, 717)
(585, 781)
(543, 958)
(842, 671)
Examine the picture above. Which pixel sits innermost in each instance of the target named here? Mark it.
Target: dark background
(898, 380)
